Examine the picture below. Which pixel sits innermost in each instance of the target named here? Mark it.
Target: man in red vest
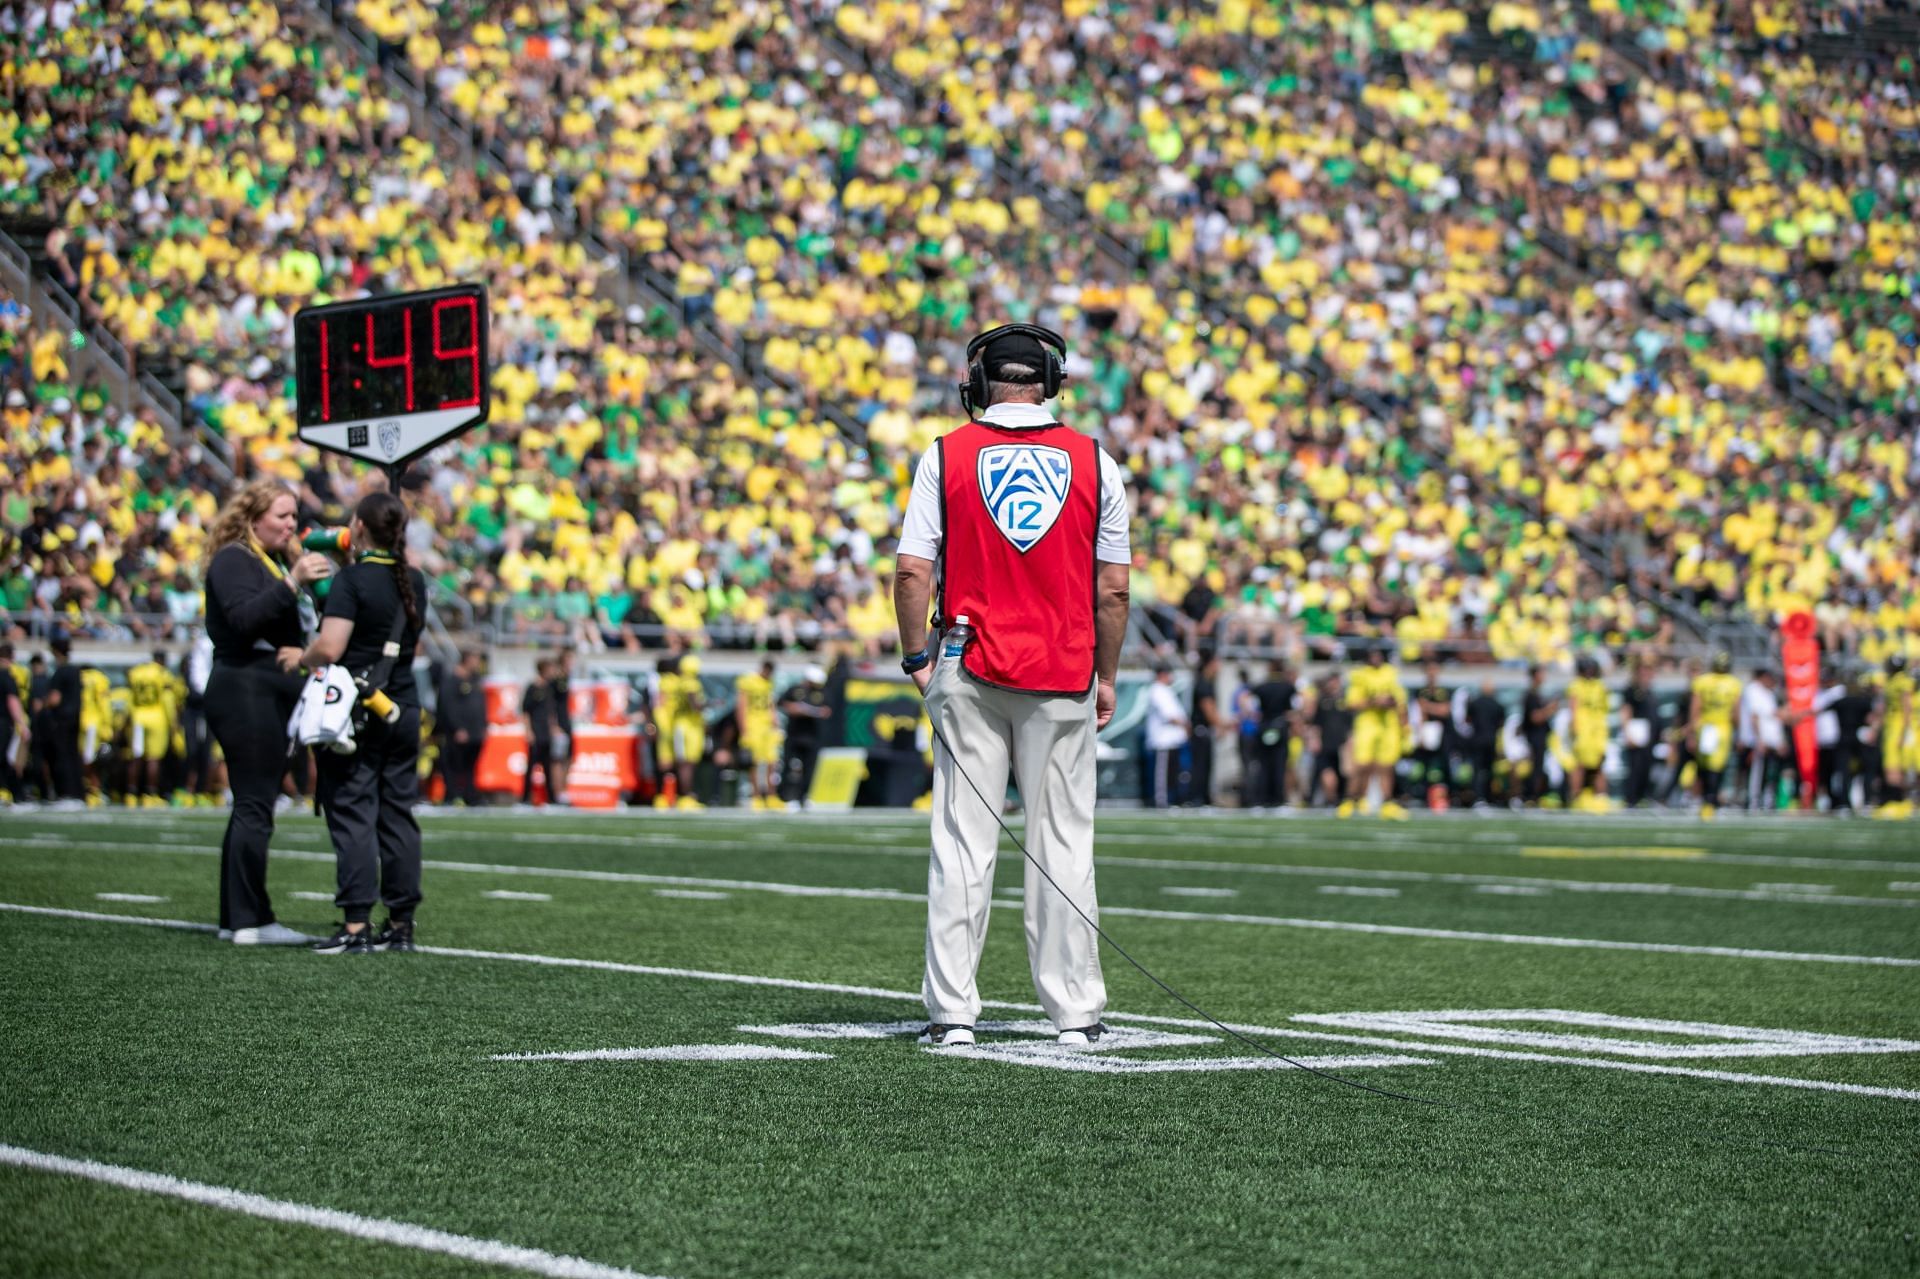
(1019, 524)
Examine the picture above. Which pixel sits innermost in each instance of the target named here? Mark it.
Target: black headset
(973, 391)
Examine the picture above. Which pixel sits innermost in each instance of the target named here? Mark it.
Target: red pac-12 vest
(1021, 509)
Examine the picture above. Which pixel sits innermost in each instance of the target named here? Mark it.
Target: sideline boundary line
(881, 840)
(401, 1234)
(881, 992)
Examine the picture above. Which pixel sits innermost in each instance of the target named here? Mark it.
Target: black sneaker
(395, 936)
(345, 943)
(939, 1036)
(1082, 1036)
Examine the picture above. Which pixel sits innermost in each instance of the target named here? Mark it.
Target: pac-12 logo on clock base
(1025, 487)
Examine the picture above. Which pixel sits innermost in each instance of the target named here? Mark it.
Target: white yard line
(1355, 890)
(1631, 888)
(401, 1234)
(140, 899)
(95, 917)
(913, 997)
(1515, 939)
(1139, 912)
(691, 894)
(675, 1052)
(509, 895)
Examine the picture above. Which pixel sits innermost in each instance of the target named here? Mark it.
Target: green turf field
(1667, 1049)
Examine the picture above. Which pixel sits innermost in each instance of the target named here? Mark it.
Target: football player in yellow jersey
(759, 737)
(151, 694)
(96, 714)
(1899, 739)
(1379, 706)
(1716, 696)
(96, 727)
(682, 727)
(1591, 703)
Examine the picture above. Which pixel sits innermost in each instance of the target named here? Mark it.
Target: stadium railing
(40, 625)
(103, 353)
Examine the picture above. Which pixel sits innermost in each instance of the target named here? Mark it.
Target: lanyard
(260, 552)
(309, 615)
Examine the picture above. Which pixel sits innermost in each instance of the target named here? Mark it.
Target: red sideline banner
(1800, 659)
(605, 765)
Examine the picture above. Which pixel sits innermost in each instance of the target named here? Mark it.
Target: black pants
(796, 772)
(63, 757)
(199, 761)
(1537, 778)
(247, 709)
(1483, 755)
(539, 755)
(1328, 763)
(1271, 767)
(1249, 771)
(1846, 760)
(1200, 778)
(368, 800)
(1430, 767)
(1639, 774)
(458, 760)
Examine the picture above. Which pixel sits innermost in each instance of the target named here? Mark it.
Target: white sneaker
(1082, 1036)
(270, 935)
(282, 805)
(939, 1035)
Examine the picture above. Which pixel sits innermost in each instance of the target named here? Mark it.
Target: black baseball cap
(1015, 348)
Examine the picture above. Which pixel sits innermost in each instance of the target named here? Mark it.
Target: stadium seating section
(1487, 326)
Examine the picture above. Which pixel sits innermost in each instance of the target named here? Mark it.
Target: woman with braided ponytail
(368, 796)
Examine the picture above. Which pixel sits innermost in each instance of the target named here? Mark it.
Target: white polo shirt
(923, 532)
(1167, 728)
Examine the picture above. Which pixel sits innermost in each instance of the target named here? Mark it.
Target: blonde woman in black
(258, 614)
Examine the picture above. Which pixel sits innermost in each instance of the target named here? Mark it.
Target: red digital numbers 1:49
(458, 394)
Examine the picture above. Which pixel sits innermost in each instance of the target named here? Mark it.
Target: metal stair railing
(103, 354)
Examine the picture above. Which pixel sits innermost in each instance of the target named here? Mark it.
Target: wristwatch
(917, 661)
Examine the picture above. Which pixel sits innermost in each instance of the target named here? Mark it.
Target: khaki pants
(1048, 745)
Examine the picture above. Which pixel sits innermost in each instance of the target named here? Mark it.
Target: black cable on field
(1333, 1076)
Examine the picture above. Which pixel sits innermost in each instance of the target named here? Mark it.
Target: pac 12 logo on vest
(1025, 486)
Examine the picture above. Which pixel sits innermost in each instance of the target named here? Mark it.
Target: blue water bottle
(954, 642)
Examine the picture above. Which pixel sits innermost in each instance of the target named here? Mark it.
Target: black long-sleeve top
(463, 705)
(247, 603)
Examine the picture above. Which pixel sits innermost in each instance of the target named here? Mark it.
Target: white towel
(324, 716)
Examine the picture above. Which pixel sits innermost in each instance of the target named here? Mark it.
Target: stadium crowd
(1354, 394)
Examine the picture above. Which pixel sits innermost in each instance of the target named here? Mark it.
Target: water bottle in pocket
(954, 642)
